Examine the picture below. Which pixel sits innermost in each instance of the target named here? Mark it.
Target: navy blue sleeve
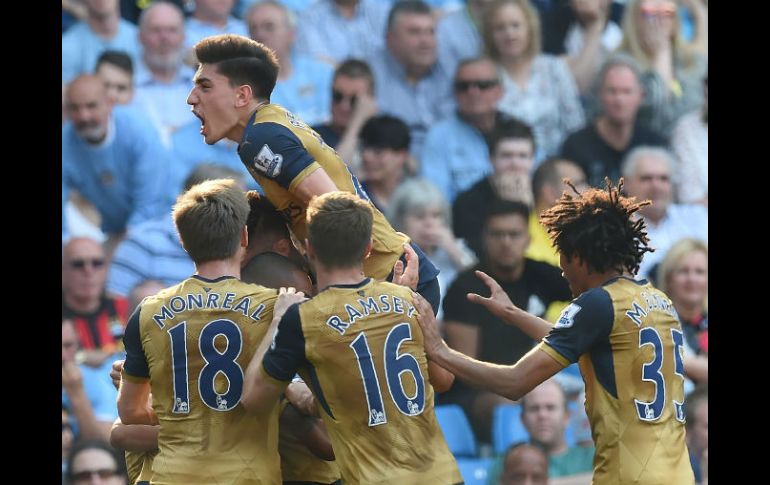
(585, 322)
(136, 361)
(287, 352)
(273, 151)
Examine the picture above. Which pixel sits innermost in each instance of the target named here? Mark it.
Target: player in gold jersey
(290, 161)
(623, 333)
(358, 346)
(189, 344)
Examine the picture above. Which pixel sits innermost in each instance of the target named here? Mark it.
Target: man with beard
(113, 158)
(162, 80)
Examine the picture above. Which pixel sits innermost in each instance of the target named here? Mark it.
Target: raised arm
(501, 306)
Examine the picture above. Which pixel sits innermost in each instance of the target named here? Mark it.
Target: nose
(191, 98)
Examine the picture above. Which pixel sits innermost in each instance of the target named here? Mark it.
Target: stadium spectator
(697, 412)
(93, 462)
(690, 143)
(456, 151)
(116, 70)
(458, 34)
(524, 464)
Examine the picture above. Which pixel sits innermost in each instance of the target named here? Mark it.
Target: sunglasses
(65, 427)
(482, 84)
(338, 97)
(103, 473)
(81, 263)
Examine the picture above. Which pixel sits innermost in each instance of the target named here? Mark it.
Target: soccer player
(358, 346)
(291, 162)
(623, 332)
(189, 344)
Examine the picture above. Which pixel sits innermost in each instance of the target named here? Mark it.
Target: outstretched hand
(498, 302)
(432, 340)
(408, 275)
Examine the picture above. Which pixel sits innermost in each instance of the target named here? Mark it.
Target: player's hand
(432, 340)
(299, 395)
(117, 368)
(408, 275)
(286, 298)
(498, 302)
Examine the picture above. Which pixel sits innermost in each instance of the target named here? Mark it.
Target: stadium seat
(507, 427)
(457, 430)
(474, 470)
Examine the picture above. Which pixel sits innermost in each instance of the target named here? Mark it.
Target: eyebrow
(201, 80)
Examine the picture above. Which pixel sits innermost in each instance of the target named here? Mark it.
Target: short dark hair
(547, 173)
(356, 69)
(80, 446)
(210, 171)
(339, 227)
(273, 270)
(407, 6)
(264, 218)
(510, 128)
(501, 207)
(119, 59)
(385, 131)
(598, 226)
(241, 60)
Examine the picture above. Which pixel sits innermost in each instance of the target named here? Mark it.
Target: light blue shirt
(325, 34)
(307, 92)
(124, 177)
(457, 38)
(454, 156)
(196, 30)
(188, 150)
(81, 47)
(681, 221)
(165, 104)
(100, 393)
(295, 6)
(150, 251)
(419, 105)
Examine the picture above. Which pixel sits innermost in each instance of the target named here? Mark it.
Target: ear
(368, 250)
(309, 251)
(282, 246)
(245, 237)
(243, 95)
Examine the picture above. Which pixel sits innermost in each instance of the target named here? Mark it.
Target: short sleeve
(136, 361)
(585, 321)
(275, 152)
(287, 351)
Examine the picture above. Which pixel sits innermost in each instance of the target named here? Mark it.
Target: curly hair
(598, 227)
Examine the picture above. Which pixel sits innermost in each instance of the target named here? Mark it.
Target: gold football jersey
(360, 349)
(280, 151)
(194, 342)
(627, 340)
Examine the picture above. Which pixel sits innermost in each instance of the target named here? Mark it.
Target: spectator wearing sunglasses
(352, 104)
(98, 319)
(455, 154)
(93, 462)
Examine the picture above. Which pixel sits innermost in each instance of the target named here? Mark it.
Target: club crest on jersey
(567, 317)
(267, 162)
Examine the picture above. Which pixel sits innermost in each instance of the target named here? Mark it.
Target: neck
(555, 449)
(517, 67)
(415, 73)
(236, 134)
(212, 270)
(595, 280)
(339, 276)
(617, 135)
(653, 215)
(385, 187)
(163, 74)
(82, 304)
(688, 311)
(507, 273)
(483, 122)
(105, 26)
(346, 9)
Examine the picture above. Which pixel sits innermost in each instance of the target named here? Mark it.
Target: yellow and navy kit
(626, 338)
(193, 341)
(360, 350)
(280, 151)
